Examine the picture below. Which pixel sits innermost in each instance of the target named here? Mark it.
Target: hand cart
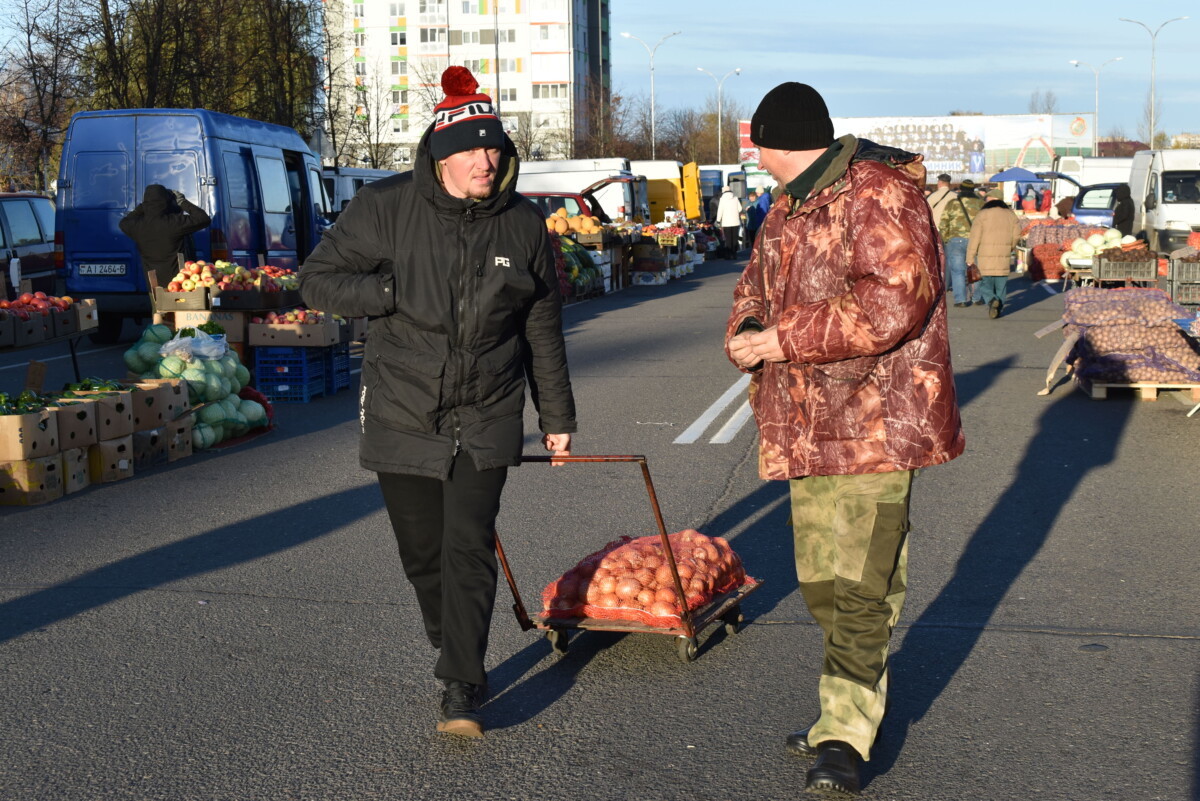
(724, 607)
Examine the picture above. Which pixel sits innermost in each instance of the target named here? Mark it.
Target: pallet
(1147, 391)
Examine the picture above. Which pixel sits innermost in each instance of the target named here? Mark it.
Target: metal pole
(653, 136)
(1096, 112)
(1153, 38)
(720, 84)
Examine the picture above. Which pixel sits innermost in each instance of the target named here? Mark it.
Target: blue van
(259, 182)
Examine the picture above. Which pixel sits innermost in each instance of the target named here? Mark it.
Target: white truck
(343, 183)
(603, 188)
(1165, 185)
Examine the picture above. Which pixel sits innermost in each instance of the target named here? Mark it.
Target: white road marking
(693, 432)
(81, 353)
(733, 425)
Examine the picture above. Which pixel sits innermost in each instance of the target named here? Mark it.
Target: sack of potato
(561, 223)
(1128, 336)
(630, 579)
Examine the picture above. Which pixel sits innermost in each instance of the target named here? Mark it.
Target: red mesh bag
(1045, 261)
(630, 579)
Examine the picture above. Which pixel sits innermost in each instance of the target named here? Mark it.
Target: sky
(872, 58)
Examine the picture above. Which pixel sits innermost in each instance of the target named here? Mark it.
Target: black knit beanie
(792, 116)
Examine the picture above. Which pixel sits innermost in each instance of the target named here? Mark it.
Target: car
(1093, 204)
(27, 242)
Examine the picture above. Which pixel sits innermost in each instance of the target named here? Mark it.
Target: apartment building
(545, 63)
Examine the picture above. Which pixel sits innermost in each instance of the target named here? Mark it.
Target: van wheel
(109, 330)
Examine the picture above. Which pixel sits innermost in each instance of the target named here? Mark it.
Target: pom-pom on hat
(465, 119)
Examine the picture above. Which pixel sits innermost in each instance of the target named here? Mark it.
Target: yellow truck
(671, 185)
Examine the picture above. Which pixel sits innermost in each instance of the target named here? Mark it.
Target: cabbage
(213, 366)
(148, 353)
(194, 376)
(157, 333)
(1096, 240)
(134, 362)
(1112, 235)
(254, 412)
(1064, 258)
(1084, 250)
(229, 364)
(171, 367)
(202, 436)
(242, 375)
(1129, 239)
(213, 414)
(212, 388)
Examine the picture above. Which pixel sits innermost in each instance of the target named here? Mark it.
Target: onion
(663, 609)
(644, 576)
(607, 584)
(663, 576)
(608, 601)
(666, 595)
(652, 561)
(646, 597)
(685, 571)
(628, 587)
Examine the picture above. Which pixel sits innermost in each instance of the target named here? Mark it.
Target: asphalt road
(235, 626)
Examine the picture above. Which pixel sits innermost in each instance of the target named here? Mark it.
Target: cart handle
(519, 606)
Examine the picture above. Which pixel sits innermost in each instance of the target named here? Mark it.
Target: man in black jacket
(159, 226)
(1122, 210)
(456, 272)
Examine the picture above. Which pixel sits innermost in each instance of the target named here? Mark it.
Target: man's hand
(559, 445)
(179, 198)
(765, 345)
(743, 352)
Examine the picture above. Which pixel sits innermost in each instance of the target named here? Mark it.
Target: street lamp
(1153, 36)
(720, 83)
(1096, 114)
(651, 52)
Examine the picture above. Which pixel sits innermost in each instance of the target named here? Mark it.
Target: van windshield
(1182, 186)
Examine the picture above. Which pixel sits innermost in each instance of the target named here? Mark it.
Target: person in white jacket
(729, 220)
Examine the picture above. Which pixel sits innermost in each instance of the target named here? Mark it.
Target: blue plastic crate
(292, 391)
(289, 365)
(337, 367)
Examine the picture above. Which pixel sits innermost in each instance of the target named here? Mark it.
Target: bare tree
(377, 105)
(536, 141)
(1161, 140)
(681, 132)
(335, 102)
(1043, 102)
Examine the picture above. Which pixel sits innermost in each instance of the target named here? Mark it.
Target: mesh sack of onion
(630, 579)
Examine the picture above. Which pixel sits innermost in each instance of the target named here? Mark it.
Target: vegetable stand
(723, 607)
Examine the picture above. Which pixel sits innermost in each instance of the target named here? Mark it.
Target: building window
(360, 10)
(430, 6)
(360, 68)
(468, 7)
(475, 65)
(549, 91)
(399, 38)
(548, 32)
(508, 65)
(399, 67)
(508, 95)
(360, 40)
(396, 9)
(399, 125)
(431, 35)
(508, 35)
(400, 96)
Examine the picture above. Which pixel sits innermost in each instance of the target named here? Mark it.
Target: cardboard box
(234, 322)
(149, 402)
(87, 314)
(304, 335)
(179, 438)
(175, 393)
(111, 460)
(64, 323)
(8, 329)
(165, 301)
(358, 328)
(76, 423)
(76, 472)
(114, 413)
(30, 482)
(28, 436)
(149, 448)
(28, 332)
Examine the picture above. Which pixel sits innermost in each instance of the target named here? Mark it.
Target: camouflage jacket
(955, 216)
(852, 277)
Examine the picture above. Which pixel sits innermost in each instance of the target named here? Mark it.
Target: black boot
(797, 742)
(836, 768)
(460, 709)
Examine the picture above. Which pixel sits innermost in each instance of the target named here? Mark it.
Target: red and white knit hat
(466, 119)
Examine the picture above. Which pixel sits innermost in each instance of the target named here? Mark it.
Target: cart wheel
(733, 620)
(558, 641)
(686, 648)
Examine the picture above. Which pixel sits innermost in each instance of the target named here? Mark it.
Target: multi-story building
(545, 63)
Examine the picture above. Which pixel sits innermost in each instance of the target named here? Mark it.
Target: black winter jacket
(464, 305)
(159, 227)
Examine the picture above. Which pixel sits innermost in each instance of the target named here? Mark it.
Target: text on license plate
(107, 268)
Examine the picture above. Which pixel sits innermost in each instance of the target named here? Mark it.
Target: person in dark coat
(1123, 210)
(159, 226)
(456, 272)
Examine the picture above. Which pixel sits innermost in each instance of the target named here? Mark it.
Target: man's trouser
(851, 548)
(731, 240)
(445, 533)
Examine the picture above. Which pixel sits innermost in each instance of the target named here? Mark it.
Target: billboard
(965, 146)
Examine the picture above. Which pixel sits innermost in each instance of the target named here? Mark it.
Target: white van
(343, 183)
(1165, 185)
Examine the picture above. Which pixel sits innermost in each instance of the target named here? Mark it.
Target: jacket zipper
(468, 216)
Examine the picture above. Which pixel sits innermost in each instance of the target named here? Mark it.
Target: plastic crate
(1105, 270)
(292, 391)
(1185, 272)
(289, 365)
(1186, 294)
(337, 367)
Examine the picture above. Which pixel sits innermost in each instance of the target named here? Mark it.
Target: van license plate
(102, 269)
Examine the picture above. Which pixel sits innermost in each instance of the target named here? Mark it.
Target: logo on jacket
(502, 262)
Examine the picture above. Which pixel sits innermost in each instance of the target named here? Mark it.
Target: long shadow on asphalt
(1057, 459)
(236, 543)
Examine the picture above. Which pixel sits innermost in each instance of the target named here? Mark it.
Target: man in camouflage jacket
(840, 317)
(955, 228)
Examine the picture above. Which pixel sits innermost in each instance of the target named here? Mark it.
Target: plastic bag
(199, 345)
(630, 579)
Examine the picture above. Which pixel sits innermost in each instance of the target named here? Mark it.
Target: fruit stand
(33, 319)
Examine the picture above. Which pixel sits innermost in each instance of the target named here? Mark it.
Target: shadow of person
(1008, 538)
(236, 543)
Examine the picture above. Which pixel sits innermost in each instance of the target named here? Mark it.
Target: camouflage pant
(851, 548)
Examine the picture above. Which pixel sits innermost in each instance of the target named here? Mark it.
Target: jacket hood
(429, 184)
(1121, 191)
(854, 150)
(156, 199)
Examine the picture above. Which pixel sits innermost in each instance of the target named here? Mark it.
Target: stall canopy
(1014, 174)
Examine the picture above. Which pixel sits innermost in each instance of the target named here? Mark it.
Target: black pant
(445, 533)
(731, 240)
